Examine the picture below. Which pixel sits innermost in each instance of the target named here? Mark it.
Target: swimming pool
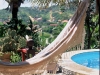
(88, 59)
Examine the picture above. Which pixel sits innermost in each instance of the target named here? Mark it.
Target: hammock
(70, 36)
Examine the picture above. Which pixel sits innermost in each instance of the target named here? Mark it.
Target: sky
(4, 4)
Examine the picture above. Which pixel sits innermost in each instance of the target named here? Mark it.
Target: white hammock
(70, 36)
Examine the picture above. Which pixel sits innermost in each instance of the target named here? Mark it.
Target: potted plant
(10, 43)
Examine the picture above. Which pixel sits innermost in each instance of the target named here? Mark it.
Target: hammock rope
(72, 35)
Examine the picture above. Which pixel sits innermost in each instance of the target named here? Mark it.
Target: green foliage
(35, 37)
(50, 34)
(11, 42)
(43, 37)
(8, 43)
(1, 23)
(20, 27)
(13, 34)
(92, 28)
(15, 57)
(22, 42)
(56, 30)
(46, 35)
(4, 15)
(24, 12)
(42, 40)
(2, 30)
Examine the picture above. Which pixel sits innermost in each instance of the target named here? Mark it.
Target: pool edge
(77, 68)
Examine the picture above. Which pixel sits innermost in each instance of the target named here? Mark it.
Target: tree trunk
(14, 12)
(89, 36)
(14, 9)
(88, 29)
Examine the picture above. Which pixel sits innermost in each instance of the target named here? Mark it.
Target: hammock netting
(71, 36)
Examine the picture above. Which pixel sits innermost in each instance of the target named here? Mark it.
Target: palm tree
(14, 5)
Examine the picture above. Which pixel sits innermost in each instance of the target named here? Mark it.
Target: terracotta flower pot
(6, 57)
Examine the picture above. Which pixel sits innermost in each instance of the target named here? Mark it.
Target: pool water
(89, 59)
